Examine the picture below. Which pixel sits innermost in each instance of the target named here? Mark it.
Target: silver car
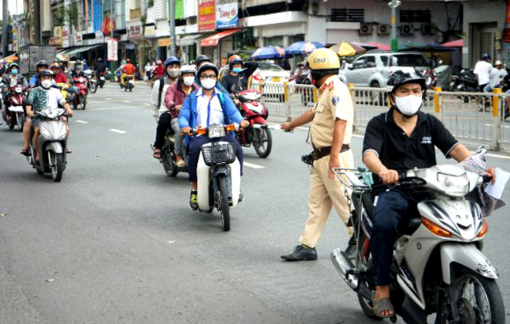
(373, 70)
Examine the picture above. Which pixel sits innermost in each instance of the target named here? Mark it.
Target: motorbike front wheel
(224, 206)
(478, 299)
(83, 101)
(57, 166)
(21, 121)
(263, 142)
(93, 87)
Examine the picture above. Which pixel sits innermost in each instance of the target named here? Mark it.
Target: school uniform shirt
(214, 113)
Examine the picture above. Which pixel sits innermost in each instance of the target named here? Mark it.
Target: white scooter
(218, 173)
(52, 143)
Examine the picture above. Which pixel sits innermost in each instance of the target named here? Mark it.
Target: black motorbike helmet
(399, 78)
(201, 59)
(42, 63)
(47, 73)
(204, 67)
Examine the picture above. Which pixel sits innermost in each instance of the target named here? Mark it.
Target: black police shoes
(301, 253)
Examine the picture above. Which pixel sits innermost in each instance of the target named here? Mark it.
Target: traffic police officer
(330, 133)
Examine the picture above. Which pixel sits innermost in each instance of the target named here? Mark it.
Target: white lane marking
(490, 125)
(126, 101)
(497, 156)
(81, 121)
(254, 166)
(118, 131)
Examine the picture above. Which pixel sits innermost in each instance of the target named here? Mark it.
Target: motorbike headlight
(455, 186)
(216, 131)
(45, 133)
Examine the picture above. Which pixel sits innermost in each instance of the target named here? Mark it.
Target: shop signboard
(134, 31)
(112, 50)
(179, 9)
(57, 35)
(65, 37)
(227, 15)
(206, 15)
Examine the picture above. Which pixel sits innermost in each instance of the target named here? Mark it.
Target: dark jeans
(392, 206)
(195, 144)
(163, 126)
(482, 86)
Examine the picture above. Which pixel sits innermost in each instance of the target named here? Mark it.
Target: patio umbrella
(268, 52)
(345, 49)
(456, 43)
(302, 48)
(366, 46)
(380, 46)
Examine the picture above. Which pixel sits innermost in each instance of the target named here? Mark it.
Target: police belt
(319, 153)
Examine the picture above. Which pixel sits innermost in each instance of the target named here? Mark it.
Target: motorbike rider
(203, 59)
(77, 71)
(239, 74)
(174, 98)
(100, 66)
(401, 139)
(44, 96)
(172, 65)
(330, 133)
(128, 69)
(158, 71)
(482, 71)
(34, 80)
(202, 108)
(60, 76)
(11, 79)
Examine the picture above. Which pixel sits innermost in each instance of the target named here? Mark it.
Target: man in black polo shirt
(401, 139)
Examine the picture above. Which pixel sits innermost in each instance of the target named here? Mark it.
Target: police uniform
(334, 102)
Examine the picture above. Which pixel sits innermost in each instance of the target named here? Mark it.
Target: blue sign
(227, 15)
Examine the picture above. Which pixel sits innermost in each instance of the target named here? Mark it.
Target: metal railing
(473, 117)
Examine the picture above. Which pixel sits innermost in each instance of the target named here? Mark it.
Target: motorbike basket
(220, 153)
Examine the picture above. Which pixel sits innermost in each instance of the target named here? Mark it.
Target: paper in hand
(496, 190)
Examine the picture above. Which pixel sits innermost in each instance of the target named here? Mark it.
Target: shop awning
(214, 39)
(188, 40)
(80, 49)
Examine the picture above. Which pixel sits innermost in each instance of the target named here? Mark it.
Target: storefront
(219, 45)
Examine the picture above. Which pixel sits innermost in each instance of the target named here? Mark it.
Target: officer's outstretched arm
(305, 118)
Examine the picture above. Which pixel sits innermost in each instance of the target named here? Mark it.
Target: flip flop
(157, 154)
(25, 152)
(381, 305)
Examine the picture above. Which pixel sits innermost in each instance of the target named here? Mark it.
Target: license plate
(277, 79)
(16, 109)
(102, 78)
(131, 81)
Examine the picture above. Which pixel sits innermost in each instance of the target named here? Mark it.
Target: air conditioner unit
(383, 29)
(428, 29)
(365, 29)
(406, 29)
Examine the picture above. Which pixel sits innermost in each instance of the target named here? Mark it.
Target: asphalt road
(115, 241)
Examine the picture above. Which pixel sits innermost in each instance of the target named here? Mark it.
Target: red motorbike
(258, 133)
(82, 91)
(14, 112)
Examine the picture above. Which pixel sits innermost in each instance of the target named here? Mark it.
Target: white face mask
(173, 73)
(188, 81)
(208, 83)
(408, 105)
(46, 84)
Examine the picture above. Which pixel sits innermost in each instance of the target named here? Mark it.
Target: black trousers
(196, 143)
(163, 126)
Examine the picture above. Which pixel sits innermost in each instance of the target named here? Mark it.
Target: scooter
(80, 98)
(102, 80)
(91, 80)
(439, 267)
(52, 144)
(169, 157)
(218, 173)
(14, 113)
(129, 83)
(258, 133)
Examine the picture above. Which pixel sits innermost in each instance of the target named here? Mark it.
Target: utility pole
(172, 28)
(394, 41)
(5, 33)
(111, 37)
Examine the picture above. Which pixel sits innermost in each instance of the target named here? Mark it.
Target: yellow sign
(57, 35)
(164, 42)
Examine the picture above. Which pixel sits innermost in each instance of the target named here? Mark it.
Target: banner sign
(206, 15)
(112, 50)
(57, 35)
(227, 15)
(134, 31)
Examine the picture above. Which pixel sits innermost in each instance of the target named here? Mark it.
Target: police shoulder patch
(335, 100)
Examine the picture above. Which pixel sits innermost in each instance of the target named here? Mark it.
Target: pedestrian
(482, 71)
(496, 77)
(148, 69)
(330, 133)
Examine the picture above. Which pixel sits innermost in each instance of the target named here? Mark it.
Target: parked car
(373, 70)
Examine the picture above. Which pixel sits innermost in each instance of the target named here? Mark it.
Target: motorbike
(439, 267)
(102, 79)
(258, 133)
(14, 112)
(52, 144)
(91, 80)
(169, 157)
(67, 92)
(108, 74)
(465, 80)
(218, 173)
(80, 98)
(129, 83)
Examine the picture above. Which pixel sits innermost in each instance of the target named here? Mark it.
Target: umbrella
(366, 46)
(302, 48)
(268, 52)
(380, 46)
(346, 49)
(430, 47)
(456, 43)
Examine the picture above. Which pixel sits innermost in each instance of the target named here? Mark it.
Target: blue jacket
(189, 109)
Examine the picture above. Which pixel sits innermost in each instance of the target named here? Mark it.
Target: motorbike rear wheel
(57, 166)
(168, 165)
(93, 87)
(478, 299)
(263, 142)
(83, 101)
(21, 121)
(224, 206)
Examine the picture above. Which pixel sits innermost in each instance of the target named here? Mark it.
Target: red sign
(206, 15)
(506, 36)
(508, 13)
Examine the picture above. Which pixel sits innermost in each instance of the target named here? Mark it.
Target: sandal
(381, 305)
(25, 152)
(157, 154)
